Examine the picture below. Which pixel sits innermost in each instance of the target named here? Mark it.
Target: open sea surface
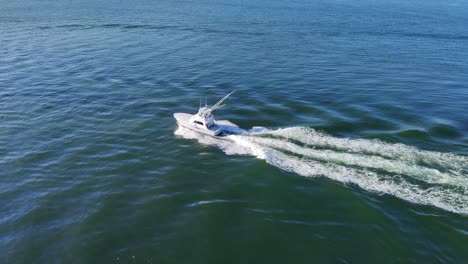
(365, 159)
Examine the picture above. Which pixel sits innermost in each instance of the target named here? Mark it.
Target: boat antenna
(220, 102)
(206, 104)
(200, 104)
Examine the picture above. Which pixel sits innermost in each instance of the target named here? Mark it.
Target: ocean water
(365, 159)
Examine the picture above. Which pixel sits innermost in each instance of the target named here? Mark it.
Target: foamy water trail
(424, 177)
(311, 137)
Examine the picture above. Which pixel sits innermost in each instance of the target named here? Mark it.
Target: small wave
(441, 36)
(445, 131)
(199, 203)
(435, 36)
(153, 27)
(71, 26)
(424, 177)
(111, 25)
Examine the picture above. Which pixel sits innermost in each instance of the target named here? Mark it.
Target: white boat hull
(183, 119)
(220, 128)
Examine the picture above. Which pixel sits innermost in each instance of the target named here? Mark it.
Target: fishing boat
(204, 122)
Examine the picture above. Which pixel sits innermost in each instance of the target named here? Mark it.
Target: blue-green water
(366, 160)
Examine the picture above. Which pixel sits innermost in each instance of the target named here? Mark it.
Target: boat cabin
(203, 118)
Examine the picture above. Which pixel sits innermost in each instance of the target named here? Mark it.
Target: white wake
(424, 177)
